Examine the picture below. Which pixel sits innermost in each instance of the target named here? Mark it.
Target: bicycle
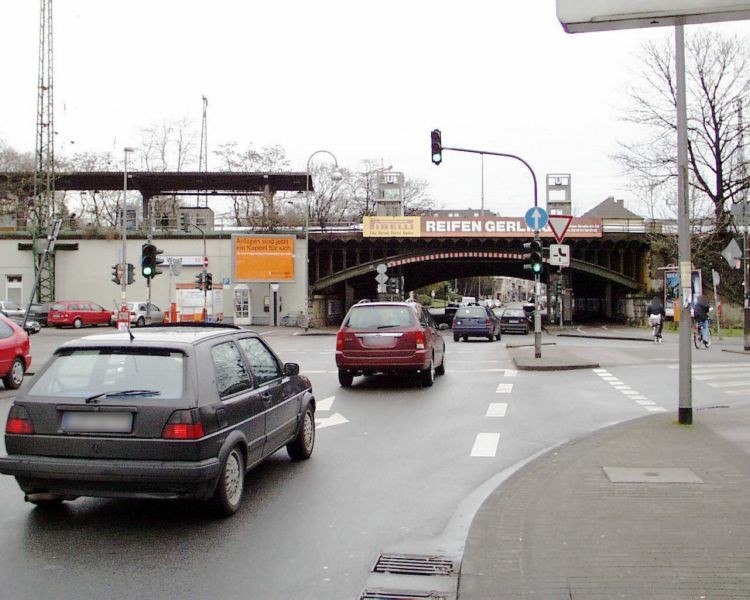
(698, 337)
(291, 320)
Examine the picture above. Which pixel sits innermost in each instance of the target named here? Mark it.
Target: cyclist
(656, 315)
(700, 312)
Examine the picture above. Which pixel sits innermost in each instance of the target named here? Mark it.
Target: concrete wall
(85, 274)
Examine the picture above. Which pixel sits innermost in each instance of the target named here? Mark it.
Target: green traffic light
(146, 271)
(536, 267)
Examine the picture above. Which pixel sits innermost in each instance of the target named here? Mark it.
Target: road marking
(645, 402)
(334, 419)
(504, 388)
(655, 409)
(628, 392)
(485, 445)
(497, 409)
(723, 375)
(599, 370)
(326, 403)
(317, 372)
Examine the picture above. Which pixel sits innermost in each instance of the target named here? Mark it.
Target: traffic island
(554, 358)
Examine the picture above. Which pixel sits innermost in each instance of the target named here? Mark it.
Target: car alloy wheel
(14, 378)
(301, 447)
(231, 483)
(78, 323)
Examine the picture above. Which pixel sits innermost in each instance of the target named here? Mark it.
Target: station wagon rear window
(85, 372)
(471, 312)
(378, 317)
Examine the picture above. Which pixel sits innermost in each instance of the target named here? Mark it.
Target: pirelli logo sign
(432, 227)
(391, 227)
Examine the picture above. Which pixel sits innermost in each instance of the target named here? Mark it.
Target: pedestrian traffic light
(209, 282)
(131, 273)
(149, 260)
(116, 274)
(437, 146)
(199, 281)
(532, 258)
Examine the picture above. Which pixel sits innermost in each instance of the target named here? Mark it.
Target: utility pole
(43, 204)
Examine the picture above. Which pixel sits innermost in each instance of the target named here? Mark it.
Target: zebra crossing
(732, 378)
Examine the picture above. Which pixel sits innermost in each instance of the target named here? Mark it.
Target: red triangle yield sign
(559, 225)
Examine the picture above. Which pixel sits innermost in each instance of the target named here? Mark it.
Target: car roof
(177, 335)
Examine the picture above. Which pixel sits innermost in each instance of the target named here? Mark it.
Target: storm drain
(386, 595)
(414, 564)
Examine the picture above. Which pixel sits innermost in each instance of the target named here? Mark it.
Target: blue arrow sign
(536, 218)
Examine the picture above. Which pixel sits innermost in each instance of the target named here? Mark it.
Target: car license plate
(514, 321)
(97, 422)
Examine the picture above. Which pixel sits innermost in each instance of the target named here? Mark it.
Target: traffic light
(116, 274)
(209, 282)
(532, 258)
(149, 260)
(199, 281)
(131, 273)
(437, 146)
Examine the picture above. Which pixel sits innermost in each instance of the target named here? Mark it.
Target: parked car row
(80, 313)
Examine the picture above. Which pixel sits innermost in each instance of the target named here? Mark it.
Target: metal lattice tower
(203, 156)
(43, 202)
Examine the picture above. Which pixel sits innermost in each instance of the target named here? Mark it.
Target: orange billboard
(263, 258)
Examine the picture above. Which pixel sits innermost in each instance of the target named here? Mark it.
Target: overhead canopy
(168, 183)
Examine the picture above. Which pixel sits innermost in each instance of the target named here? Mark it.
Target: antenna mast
(43, 202)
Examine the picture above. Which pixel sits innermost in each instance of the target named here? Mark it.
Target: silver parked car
(139, 310)
(11, 309)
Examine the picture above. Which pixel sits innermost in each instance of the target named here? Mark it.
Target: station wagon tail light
(183, 425)
(419, 340)
(340, 340)
(18, 421)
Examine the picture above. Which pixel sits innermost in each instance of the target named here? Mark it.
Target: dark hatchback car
(389, 337)
(476, 321)
(514, 320)
(39, 312)
(160, 412)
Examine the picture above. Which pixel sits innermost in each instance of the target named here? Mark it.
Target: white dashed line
(504, 388)
(497, 409)
(485, 445)
(627, 391)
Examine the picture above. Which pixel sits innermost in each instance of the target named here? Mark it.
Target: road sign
(381, 268)
(536, 218)
(205, 262)
(381, 278)
(559, 254)
(559, 225)
(732, 254)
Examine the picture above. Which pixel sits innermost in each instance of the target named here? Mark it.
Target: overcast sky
(364, 80)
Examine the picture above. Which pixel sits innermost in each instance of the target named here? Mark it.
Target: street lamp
(124, 262)
(335, 176)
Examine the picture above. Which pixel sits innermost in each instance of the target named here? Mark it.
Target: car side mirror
(291, 369)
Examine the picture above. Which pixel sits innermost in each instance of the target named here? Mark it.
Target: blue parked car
(475, 321)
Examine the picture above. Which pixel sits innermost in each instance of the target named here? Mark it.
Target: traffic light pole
(537, 318)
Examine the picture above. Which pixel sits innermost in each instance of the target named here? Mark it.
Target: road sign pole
(537, 318)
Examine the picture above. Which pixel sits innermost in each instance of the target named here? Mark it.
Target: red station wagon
(77, 313)
(389, 337)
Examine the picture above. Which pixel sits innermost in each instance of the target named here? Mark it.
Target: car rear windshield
(379, 317)
(471, 311)
(86, 372)
(514, 313)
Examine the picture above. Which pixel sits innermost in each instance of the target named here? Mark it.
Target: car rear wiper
(144, 393)
(387, 326)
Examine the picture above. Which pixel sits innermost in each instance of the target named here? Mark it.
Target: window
(263, 363)
(85, 372)
(231, 374)
(5, 330)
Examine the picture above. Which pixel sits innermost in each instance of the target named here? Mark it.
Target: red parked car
(77, 313)
(389, 337)
(15, 354)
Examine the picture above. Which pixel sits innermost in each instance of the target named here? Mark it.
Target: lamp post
(335, 176)
(124, 263)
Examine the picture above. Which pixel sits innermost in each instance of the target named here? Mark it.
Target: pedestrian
(656, 315)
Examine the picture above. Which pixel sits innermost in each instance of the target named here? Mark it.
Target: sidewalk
(643, 509)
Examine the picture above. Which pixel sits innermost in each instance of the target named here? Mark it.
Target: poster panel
(672, 290)
(263, 258)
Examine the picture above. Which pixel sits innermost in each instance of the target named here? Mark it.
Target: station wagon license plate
(97, 422)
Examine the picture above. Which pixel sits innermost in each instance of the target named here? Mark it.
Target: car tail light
(419, 340)
(18, 421)
(340, 340)
(183, 425)
(489, 323)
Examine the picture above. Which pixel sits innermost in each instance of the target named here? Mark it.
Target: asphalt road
(392, 464)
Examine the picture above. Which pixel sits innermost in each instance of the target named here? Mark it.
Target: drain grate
(414, 564)
(386, 595)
